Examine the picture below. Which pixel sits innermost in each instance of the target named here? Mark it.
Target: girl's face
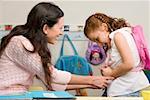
(54, 32)
(100, 36)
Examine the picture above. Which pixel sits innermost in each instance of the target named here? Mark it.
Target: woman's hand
(101, 81)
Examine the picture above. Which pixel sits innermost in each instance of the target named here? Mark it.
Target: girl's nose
(100, 44)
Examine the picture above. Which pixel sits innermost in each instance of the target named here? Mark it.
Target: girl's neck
(109, 43)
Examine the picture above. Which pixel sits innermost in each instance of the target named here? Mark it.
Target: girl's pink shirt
(18, 67)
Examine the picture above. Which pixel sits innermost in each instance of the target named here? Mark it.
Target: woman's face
(54, 32)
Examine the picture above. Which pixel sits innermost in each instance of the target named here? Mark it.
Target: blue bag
(73, 63)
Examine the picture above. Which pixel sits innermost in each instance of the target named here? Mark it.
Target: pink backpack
(138, 35)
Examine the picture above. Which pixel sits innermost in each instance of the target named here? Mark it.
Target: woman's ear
(45, 29)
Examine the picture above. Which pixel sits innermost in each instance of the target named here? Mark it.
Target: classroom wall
(76, 11)
(0, 12)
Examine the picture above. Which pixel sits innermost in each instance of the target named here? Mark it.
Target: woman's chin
(53, 42)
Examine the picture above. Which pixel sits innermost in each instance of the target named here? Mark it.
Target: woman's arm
(30, 62)
(72, 87)
(96, 81)
(62, 80)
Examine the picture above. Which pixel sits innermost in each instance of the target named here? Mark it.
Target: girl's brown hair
(95, 21)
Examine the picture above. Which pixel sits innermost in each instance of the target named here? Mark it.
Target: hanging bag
(95, 54)
(73, 63)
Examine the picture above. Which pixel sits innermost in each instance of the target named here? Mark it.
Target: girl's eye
(97, 40)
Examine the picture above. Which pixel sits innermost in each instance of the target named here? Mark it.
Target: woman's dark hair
(95, 21)
(41, 14)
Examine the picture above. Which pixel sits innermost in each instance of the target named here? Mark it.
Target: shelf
(74, 35)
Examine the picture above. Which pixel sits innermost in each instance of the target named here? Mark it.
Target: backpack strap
(140, 67)
(62, 46)
(138, 35)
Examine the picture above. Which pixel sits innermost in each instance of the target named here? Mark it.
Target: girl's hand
(106, 71)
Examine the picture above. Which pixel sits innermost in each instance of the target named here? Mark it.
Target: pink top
(18, 68)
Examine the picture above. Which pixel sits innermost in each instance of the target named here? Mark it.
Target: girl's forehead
(93, 35)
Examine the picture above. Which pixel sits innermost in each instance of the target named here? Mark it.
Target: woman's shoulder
(19, 38)
(23, 41)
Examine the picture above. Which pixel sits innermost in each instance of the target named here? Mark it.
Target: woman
(116, 34)
(24, 54)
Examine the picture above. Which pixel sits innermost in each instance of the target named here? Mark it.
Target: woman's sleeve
(31, 62)
(16, 52)
(60, 79)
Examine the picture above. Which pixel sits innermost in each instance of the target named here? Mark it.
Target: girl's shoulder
(23, 41)
(121, 30)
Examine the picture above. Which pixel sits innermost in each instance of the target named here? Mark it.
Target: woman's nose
(61, 33)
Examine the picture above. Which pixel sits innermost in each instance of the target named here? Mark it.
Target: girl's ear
(104, 26)
(45, 29)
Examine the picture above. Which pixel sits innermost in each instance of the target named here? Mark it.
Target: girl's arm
(126, 56)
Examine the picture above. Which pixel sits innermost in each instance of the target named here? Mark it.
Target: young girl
(116, 34)
(24, 54)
